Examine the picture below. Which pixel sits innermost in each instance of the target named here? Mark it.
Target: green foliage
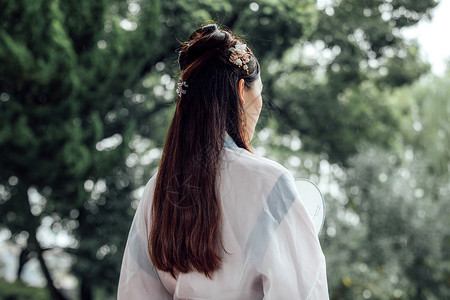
(64, 120)
(404, 208)
(20, 291)
(354, 42)
(424, 110)
(388, 235)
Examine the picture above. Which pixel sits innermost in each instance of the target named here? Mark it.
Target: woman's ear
(241, 85)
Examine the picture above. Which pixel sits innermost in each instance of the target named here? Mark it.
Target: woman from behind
(217, 221)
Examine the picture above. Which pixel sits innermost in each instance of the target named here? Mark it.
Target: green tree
(388, 233)
(64, 118)
(424, 110)
(387, 236)
(321, 83)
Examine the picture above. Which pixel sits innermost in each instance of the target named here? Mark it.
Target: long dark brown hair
(185, 215)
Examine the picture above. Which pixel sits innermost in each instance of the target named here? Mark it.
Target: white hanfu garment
(272, 249)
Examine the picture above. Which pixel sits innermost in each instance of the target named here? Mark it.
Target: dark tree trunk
(24, 257)
(32, 226)
(54, 292)
(86, 289)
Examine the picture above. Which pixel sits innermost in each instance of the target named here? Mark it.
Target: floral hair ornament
(239, 55)
(180, 90)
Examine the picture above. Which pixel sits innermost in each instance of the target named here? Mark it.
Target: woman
(217, 221)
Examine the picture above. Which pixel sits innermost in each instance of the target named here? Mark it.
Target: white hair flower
(240, 48)
(239, 55)
(180, 90)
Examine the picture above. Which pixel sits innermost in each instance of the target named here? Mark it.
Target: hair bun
(205, 30)
(201, 41)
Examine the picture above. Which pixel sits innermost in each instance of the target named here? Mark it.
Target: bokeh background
(87, 91)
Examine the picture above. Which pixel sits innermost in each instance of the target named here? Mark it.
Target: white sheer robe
(273, 250)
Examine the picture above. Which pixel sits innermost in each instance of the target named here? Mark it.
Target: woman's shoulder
(247, 162)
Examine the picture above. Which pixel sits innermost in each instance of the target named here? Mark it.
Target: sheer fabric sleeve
(291, 260)
(138, 277)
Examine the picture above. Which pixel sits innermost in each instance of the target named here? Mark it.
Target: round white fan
(313, 200)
